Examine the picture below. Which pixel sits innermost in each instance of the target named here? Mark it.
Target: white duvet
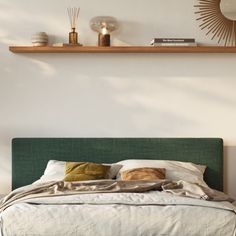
(119, 214)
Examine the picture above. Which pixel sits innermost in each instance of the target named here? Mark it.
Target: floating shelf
(121, 49)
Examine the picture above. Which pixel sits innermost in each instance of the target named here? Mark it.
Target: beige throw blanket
(60, 188)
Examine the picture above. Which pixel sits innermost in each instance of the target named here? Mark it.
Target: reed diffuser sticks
(73, 14)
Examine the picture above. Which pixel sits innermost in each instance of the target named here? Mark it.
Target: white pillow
(175, 170)
(55, 171)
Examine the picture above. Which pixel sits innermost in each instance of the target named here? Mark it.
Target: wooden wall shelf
(121, 49)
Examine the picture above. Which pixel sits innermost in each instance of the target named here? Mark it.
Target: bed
(124, 213)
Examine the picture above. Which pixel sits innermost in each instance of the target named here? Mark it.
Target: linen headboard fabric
(30, 155)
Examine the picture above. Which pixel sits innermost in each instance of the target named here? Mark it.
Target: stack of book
(66, 45)
(176, 42)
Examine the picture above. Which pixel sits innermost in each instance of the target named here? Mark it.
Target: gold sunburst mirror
(218, 19)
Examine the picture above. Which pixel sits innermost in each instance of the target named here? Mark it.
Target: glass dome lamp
(104, 25)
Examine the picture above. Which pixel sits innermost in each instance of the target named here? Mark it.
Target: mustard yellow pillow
(79, 171)
(144, 174)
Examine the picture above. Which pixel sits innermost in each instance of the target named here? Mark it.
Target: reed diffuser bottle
(73, 14)
(73, 37)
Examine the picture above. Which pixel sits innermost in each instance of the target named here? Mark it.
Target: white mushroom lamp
(104, 25)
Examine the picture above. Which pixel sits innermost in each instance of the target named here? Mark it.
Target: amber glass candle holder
(104, 40)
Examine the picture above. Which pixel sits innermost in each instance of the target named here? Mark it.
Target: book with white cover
(174, 44)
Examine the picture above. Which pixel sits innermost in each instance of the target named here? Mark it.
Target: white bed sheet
(119, 214)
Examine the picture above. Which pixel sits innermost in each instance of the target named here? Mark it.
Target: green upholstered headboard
(30, 155)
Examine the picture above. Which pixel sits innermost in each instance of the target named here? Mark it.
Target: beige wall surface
(98, 95)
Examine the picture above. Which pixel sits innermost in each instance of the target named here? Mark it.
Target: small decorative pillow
(145, 173)
(79, 171)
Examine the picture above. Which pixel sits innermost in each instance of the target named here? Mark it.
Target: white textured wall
(117, 95)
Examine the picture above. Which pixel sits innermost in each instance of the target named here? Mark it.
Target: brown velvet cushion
(143, 174)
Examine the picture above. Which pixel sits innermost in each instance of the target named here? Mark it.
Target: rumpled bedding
(110, 207)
